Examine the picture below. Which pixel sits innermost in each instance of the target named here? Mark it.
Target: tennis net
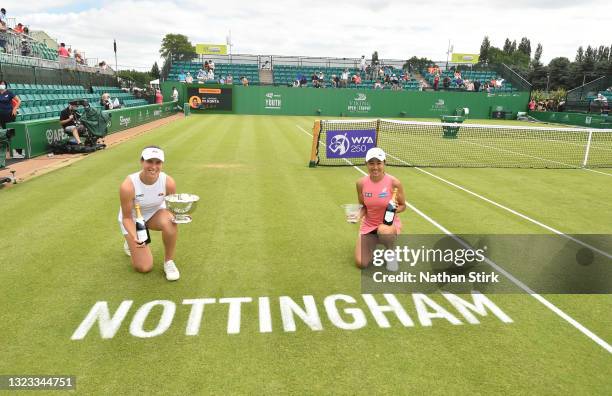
(431, 144)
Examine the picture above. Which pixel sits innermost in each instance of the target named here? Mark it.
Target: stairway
(421, 79)
(266, 77)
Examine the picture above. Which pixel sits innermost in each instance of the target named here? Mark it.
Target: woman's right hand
(138, 243)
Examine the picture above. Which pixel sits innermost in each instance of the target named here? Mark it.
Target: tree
(178, 46)
(484, 50)
(155, 73)
(415, 63)
(538, 53)
(513, 47)
(559, 71)
(525, 46)
(579, 55)
(139, 79)
(507, 47)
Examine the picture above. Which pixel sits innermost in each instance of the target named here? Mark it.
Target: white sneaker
(392, 265)
(172, 273)
(16, 155)
(126, 249)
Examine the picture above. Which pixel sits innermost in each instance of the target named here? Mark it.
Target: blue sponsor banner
(352, 143)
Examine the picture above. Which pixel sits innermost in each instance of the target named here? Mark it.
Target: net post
(588, 148)
(377, 130)
(316, 130)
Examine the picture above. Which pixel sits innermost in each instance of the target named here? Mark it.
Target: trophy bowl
(182, 206)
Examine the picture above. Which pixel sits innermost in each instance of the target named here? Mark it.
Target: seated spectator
(211, 75)
(601, 98)
(459, 81)
(499, 82)
(321, 80)
(245, 81)
(315, 80)
(106, 102)
(334, 81)
(303, 81)
(344, 78)
(476, 86)
(19, 28)
(229, 79)
(436, 82)
(68, 120)
(62, 51)
(159, 98)
(181, 76)
(188, 78)
(78, 57)
(378, 84)
(211, 65)
(446, 82)
(102, 65)
(493, 82)
(469, 85)
(201, 76)
(357, 79)
(221, 80)
(206, 66)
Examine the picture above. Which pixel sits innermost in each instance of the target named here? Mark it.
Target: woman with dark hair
(9, 104)
(142, 194)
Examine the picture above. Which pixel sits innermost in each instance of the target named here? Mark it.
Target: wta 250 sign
(350, 144)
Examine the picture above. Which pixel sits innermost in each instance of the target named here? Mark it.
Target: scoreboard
(201, 98)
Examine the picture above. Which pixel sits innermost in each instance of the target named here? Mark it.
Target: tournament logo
(273, 101)
(440, 105)
(359, 104)
(350, 143)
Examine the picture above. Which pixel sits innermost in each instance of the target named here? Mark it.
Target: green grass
(267, 225)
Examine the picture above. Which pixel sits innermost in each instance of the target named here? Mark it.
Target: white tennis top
(150, 197)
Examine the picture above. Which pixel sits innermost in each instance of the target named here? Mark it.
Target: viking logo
(361, 97)
(339, 144)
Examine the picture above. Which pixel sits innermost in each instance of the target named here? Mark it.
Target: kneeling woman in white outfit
(148, 188)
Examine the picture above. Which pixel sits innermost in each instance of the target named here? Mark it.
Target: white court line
(535, 157)
(594, 337)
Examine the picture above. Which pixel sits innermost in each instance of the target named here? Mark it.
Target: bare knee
(143, 267)
(359, 263)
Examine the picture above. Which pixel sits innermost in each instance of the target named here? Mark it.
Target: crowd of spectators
(22, 43)
(458, 82)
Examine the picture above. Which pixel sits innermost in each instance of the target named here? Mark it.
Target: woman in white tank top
(148, 188)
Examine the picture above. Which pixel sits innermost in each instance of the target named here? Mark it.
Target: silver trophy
(182, 205)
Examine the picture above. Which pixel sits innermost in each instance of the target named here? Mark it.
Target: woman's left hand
(14, 112)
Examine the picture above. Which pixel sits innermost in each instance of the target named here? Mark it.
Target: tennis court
(270, 233)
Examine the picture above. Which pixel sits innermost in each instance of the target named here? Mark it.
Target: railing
(17, 45)
(591, 88)
(513, 77)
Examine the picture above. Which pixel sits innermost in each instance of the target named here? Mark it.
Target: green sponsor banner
(578, 119)
(465, 58)
(211, 49)
(372, 103)
(34, 137)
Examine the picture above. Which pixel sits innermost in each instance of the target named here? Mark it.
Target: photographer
(69, 119)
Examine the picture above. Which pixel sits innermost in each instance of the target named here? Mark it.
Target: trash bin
(450, 132)
(186, 109)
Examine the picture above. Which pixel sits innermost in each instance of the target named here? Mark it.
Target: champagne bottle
(391, 209)
(142, 232)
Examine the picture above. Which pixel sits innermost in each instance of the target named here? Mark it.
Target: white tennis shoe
(392, 265)
(172, 273)
(126, 249)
